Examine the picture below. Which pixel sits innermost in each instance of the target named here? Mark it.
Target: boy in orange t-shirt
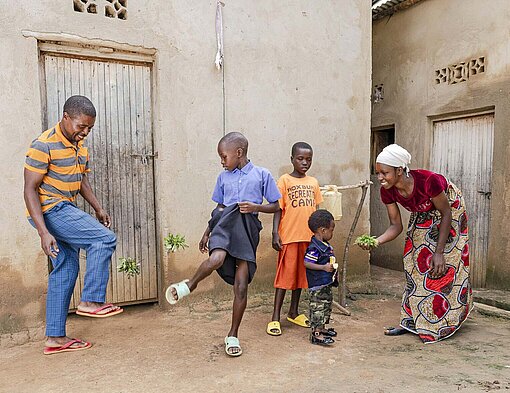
(291, 235)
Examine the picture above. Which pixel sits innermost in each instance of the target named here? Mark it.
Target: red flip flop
(67, 347)
(95, 313)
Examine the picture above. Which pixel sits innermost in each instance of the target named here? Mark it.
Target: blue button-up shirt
(320, 253)
(249, 184)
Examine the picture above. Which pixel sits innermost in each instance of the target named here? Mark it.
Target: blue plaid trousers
(74, 230)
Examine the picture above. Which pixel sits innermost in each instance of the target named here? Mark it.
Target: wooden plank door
(462, 151)
(121, 154)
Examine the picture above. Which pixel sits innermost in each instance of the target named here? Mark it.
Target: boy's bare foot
(232, 346)
(177, 291)
(173, 291)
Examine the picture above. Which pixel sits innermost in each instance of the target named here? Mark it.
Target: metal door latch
(485, 193)
(144, 156)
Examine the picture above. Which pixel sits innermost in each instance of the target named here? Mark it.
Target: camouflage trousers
(321, 301)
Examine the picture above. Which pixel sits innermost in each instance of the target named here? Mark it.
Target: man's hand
(49, 245)
(248, 207)
(103, 218)
(277, 242)
(202, 246)
(437, 266)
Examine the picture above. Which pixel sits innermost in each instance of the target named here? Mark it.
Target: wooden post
(343, 288)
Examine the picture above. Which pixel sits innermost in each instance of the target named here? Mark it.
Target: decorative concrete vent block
(116, 9)
(460, 72)
(112, 8)
(477, 66)
(378, 95)
(441, 75)
(88, 6)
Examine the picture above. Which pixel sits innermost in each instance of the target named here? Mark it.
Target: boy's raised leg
(205, 269)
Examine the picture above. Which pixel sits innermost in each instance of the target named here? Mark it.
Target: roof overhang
(382, 8)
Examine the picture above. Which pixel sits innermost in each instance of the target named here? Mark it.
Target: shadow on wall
(388, 255)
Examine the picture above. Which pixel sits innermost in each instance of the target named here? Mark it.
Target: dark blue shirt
(249, 184)
(320, 253)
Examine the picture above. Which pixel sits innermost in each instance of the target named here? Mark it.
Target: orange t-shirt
(300, 198)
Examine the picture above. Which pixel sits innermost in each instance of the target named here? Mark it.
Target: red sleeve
(387, 196)
(435, 185)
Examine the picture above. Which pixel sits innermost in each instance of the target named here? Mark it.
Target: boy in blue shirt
(232, 235)
(320, 272)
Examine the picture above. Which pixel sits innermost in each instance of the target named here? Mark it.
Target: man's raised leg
(80, 230)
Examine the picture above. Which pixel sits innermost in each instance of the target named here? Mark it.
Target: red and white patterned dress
(433, 308)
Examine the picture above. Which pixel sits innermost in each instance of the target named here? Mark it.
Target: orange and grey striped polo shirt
(62, 163)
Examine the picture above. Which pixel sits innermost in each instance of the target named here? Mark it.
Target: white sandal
(182, 290)
(232, 342)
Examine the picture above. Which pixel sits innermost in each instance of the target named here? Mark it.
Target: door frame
(68, 45)
(489, 110)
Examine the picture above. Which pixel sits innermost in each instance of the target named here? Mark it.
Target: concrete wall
(407, 49)
(294, 70)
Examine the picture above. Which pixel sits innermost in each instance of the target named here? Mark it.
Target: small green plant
(129, 266)
(366, 241)
(174, 243)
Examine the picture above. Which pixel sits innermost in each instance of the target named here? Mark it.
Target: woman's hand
(277, 242)
(368, 247)
(437, 265)
(202, 246)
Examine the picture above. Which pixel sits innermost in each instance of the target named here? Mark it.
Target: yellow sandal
(272, 326)
(300, 320)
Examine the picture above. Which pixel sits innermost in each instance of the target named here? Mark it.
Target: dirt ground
(146, 349)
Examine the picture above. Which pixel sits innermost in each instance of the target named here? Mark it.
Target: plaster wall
(407, 49)
(293, 71)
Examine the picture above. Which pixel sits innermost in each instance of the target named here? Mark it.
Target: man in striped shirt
(56, 168)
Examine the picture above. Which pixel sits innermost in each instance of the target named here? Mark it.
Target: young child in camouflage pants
(320, 273)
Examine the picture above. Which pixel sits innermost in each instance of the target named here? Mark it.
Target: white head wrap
(395, 156)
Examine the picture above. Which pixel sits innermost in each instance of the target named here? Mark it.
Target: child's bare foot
(318, 338)
(330, 332)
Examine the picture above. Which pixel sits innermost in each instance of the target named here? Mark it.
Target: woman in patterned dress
(438, 297)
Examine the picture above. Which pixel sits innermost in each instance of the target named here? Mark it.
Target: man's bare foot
(56, 342)
(97, 309)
